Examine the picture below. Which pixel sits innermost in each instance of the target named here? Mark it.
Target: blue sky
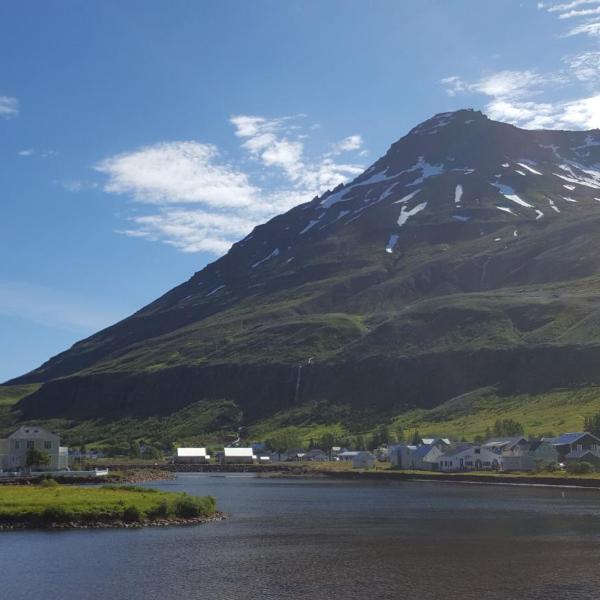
(139, 139)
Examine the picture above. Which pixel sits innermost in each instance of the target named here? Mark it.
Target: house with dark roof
(505, 444)
(536, 454)
(567, 443)
(420, 458)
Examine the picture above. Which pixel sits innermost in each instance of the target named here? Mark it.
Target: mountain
(466, 257)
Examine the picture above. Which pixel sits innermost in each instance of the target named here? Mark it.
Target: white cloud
(9, 107)
(567, 6)
(585, 10)
(348, 144)
(204, 204)
(518, 96)
(591, 28)
(585, 66)
(177, 172)
(53, 308)
(26, 152)
(503, 84)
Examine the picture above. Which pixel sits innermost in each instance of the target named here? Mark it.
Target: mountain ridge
(464, 253)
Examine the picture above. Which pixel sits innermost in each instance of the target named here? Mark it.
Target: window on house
(47, 445)
(17, 445)
(477, 450)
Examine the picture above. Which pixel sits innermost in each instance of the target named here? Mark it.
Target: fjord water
(300, 538)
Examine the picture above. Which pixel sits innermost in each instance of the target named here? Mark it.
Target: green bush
(132, 514)
(580, 468)
(187, 507)
(162, 511)
(56, 514)
(49, 482)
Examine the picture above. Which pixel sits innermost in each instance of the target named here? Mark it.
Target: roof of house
(535, 444)
(363, 454)
(429, 441)
(33, 433)
(238, 452)
(458, 449)
(504, 442)
(191, 452)
(569, 438)
(423, 451)
(581, 453)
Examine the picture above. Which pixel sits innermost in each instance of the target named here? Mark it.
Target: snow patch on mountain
(215, 290)
(406, 214)
(510, 194)
(266, 258)
(391, 243)
(407, 197)
(508, 210)
(310, 225)
(528, 168)
(458, 193)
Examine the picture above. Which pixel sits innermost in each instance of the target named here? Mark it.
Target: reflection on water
(298, 538)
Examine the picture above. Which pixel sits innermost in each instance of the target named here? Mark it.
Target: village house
(467, 457)
(316, 455)
(348, 455)
(532, 455)
(505, 444)
(194, 456)
(238, 456)
(422, 458)
(14, 449)
(570, 446)
(363, 460)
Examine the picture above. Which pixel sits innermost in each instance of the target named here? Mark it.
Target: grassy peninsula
(51, 505)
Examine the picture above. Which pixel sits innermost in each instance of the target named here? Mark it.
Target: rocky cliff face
(466, 256)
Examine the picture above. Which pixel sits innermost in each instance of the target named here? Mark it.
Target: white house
(194, 456)
(13, 450)
(422, 458)
(238, 456)
(363, 460)
(466, 457)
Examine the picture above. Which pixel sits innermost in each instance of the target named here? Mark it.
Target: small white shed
(192, 456)
(238, 456)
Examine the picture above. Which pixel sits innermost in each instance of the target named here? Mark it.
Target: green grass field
(43, 505)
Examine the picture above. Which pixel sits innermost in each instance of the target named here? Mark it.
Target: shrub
(132, 514)
(580, 468)
(56, 514)
(187, 507)
(161, 511)
(49, 482)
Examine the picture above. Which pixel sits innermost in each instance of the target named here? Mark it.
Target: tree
(327, 442)
(507, 428)
(417, 440)
(384, 435)
(283, 440)
(359, 442)
(400, 434)
(591, 424)
(36, 458)
(134, 449)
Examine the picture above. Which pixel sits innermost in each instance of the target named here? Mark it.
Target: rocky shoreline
(118, 524)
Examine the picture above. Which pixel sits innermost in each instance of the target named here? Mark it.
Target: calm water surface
(290, 538)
